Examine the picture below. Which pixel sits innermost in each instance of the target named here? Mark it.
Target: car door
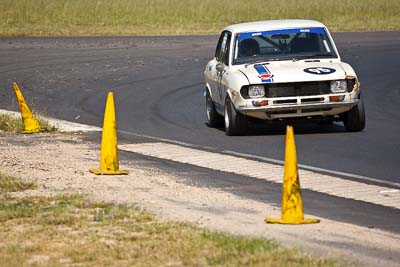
(223, 66)
(213, 75)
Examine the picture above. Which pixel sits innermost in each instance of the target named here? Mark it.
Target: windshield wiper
(266, 60)
(313, 56)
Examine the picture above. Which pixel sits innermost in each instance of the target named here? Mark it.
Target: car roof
(273, 25)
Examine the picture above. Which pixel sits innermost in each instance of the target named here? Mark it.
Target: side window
(222, 52)
(218, 49)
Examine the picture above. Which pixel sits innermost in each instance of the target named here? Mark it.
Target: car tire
(354, 119)
(235, 122)
(213, 118)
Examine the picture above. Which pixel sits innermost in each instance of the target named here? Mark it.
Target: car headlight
(256, 91)
(339, 86)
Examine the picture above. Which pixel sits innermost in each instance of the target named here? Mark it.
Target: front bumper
(290, 107)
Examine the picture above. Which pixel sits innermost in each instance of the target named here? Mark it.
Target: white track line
(323, 183)
(264, 168)
(265, 159)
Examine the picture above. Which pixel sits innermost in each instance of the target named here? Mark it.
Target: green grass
(126, 17)
(11, 184)
(69, 230)
(11, 124)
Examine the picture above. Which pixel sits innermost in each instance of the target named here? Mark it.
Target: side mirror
(220, 67)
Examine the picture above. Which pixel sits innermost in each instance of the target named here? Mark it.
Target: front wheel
(213, 118)
(354, 119)
(235, 122)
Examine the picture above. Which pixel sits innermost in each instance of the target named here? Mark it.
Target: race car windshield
(291, 44)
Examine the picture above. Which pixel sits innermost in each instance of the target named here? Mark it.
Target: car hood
(289, 71)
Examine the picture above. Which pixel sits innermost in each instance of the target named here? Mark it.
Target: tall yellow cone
(31, 125)
(109, 150)
(292, 204)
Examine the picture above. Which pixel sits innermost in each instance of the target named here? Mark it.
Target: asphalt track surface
(158, 84)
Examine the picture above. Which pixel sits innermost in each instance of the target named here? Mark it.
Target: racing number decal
(319, 70)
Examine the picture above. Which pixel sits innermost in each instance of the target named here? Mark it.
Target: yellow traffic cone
(31, 125)
(109, 150)
(292, 204)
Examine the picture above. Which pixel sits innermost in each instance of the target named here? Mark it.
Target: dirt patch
(59, 163)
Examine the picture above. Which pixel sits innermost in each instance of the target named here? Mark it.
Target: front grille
(297, 89)
(286, 101)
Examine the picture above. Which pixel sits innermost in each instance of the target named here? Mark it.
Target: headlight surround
(256, 91)
(338, 86)
(351, 84)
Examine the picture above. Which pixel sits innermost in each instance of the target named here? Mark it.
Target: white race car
(277, 70)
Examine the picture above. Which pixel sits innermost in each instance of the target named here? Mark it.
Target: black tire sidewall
(354, 119)
(237, 122)
(213, 118)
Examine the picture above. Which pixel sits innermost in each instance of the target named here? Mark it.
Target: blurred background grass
(134, 17)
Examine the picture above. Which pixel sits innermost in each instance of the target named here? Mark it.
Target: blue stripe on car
(261, 69)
